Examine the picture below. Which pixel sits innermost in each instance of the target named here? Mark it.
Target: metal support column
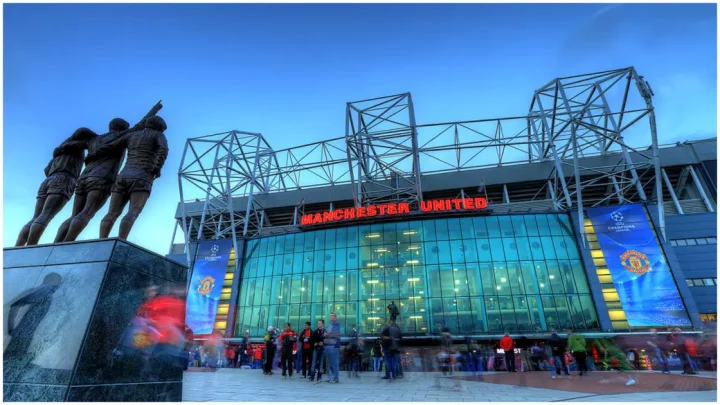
(207, 194)
(701, 189)
(672, 192)
(253, 179)
(578, 194)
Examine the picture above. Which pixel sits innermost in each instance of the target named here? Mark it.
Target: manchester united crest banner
(206, 285)
(637, 265)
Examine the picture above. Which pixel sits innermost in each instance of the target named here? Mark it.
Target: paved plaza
(229, 385)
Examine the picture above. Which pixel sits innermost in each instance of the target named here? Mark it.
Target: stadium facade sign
(392, 209)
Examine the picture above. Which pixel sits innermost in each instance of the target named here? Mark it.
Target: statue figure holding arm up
(147, 150)
(96, 181)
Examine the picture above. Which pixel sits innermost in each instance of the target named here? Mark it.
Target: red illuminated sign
(457, 204)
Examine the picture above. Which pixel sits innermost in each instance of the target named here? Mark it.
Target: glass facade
(474, 275)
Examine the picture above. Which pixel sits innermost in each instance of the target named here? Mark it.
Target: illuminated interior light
(552, 277)
(499, 288)
(412, 280)
(416, 317)
(373, 299)
(373, 235)
(410, 233)
(413, 261)
(503, 280)
(413, 248)
(373, 318)
(373, 264)
(457, 281)
(542, 285)
(341, 288)
(381, 250)
(373, 281)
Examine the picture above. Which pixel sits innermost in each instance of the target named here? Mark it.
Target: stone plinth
(71, 304)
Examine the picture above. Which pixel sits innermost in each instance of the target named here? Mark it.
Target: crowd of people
(310, 354)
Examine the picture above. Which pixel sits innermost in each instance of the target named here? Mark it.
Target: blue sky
(288, 70)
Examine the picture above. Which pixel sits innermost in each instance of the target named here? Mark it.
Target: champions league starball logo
(213, 254)
(619, 226)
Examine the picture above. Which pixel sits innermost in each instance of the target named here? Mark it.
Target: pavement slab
(240, 385)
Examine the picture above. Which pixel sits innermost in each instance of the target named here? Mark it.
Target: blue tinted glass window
(518, 223)
(457, 250)
(510, 248)
(444, 255)
(497, 250)
(454, 229)
(466, 228)
(469, 249)
(543, 227)
(341, 238)
(441, 229)
(506, 227)
(548, 248)
(531, 225)
(493, 227)
(483, 250)
(479, 224)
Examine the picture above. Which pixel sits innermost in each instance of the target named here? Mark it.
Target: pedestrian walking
(332, 349)
(391, 348)
(318, 356)
(578, 347)
(377, 355)
(558, 348)
(508, 346)
(305, 344)
(287, 340)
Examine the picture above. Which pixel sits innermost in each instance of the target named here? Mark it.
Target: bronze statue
(61, 176)
(96, 181)
(147, 151)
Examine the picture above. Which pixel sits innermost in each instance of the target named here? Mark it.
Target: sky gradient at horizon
(288, 70)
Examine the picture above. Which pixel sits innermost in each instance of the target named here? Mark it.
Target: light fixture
(341, 288)
(552, 277)
(413, 261)
(373, 264)
(457, 281)
(413, 248)
(416, 317)
(410, 233)
(499, 288)
(503, 280)
(373, 235)
(542, 285)
(302, 289)
(412, 280)
(457, 289)
(373, 281)
(373, 318)
(382, 250)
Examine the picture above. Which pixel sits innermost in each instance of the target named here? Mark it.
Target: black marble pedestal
(71, 304)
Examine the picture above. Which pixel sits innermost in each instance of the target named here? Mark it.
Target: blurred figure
(244, 354)
(305, 349)
(578, 348)
(537, 356)
(557, 346)
(445, 359)
(377, 355)
(258, 355)
(352, 351)
(318, 357)
(270, 349)
(287, 341)
(391, 347)
(658, 346)
(332, 349)
(508, 346)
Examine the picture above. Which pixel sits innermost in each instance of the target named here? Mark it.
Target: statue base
(72, 303)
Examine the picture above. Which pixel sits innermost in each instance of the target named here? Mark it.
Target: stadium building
(569, 216)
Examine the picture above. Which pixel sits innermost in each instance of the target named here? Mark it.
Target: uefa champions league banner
(637, 264)
(206, 283)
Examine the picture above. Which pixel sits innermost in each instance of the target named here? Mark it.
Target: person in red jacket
(507, 344)
(287, 340)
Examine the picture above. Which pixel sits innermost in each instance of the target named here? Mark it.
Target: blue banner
(206, 284)
(637, 264)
